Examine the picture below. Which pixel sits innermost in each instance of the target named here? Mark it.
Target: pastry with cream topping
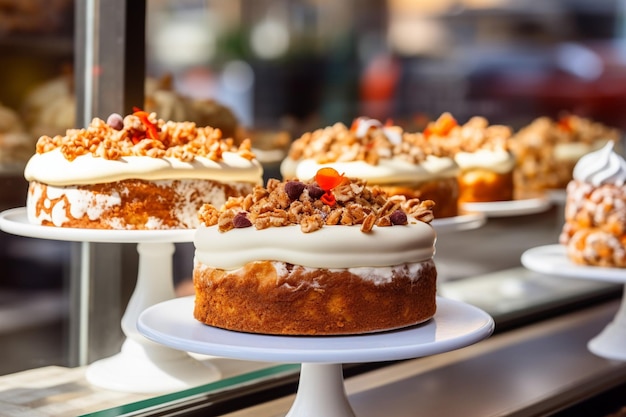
(547, 150)
(482, 153)
(595, 210)
(136, 172)
(326, 256)
(399, 162)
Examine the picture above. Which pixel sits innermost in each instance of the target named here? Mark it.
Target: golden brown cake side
(480, 185)
(265, 297)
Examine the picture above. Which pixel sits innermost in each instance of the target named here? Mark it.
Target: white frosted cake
(482, 153)
(136, 172)
(315, 257)
(401, 163)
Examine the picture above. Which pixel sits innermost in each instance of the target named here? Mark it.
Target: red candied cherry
(328, 178)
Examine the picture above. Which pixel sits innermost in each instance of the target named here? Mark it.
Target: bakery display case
(272, 71)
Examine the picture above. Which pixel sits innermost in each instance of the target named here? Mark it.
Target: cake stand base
(145, 368)
(611, 342)
(321, 392)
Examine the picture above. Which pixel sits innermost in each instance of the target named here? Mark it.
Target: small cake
(401, 163)
(482, 154)
(546, 150)
(595, 210)
(328, 256)
(136, 172)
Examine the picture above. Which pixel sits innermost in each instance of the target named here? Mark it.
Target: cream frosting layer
(500, 161)
(573, 151)
(329, 247)
(603, 166)
(387, 171)
(52, 168)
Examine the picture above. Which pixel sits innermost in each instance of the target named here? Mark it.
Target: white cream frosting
(499, 160)
(603, 166)
(329, 247)
(573, 151)
(387, 171)
(53, 168)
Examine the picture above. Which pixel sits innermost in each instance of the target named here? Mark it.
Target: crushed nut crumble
(142, 134)
(296, 202)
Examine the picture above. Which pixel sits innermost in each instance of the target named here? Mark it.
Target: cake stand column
(321, 392)
(611, 342)
(142, 365)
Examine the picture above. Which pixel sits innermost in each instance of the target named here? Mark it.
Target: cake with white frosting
(547, 150)
(321, 257)
(135, 172)
(595, 210)
(399, 162)
(482, 153)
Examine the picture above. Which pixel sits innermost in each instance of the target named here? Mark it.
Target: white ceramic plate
(509, 208)
(553, 260)
(455, 325)
(15, 221)
(457, 223)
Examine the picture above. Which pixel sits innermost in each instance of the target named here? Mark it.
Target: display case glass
(273, 70)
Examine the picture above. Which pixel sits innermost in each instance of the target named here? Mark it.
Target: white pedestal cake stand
(552, 260)
(141, 365)
(321, 390)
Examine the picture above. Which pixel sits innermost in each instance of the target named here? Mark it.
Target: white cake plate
(142, 365)
(520, 207)
(553, 260)
(321, 390)
(467, 221)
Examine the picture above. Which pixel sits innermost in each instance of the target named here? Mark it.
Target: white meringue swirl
(603, 166)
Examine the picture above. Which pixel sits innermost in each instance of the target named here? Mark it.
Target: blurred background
(278, 68)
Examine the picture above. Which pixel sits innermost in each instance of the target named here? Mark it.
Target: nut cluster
(299, 203)
(474, 135)
(129, 137)
(534, 148)
(338, 143)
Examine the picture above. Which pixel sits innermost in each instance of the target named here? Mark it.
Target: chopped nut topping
(442, 138)
(132, 137)
(295, 202)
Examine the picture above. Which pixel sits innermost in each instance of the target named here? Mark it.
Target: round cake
(401, 163)
(595, 210)
(481, 151)
(328, 256)
(136, 172)
(547, 150)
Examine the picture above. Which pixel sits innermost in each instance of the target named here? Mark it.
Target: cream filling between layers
(377, 275)
(499, 161)
(329, 247)
(52, 168)
(387, 171)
